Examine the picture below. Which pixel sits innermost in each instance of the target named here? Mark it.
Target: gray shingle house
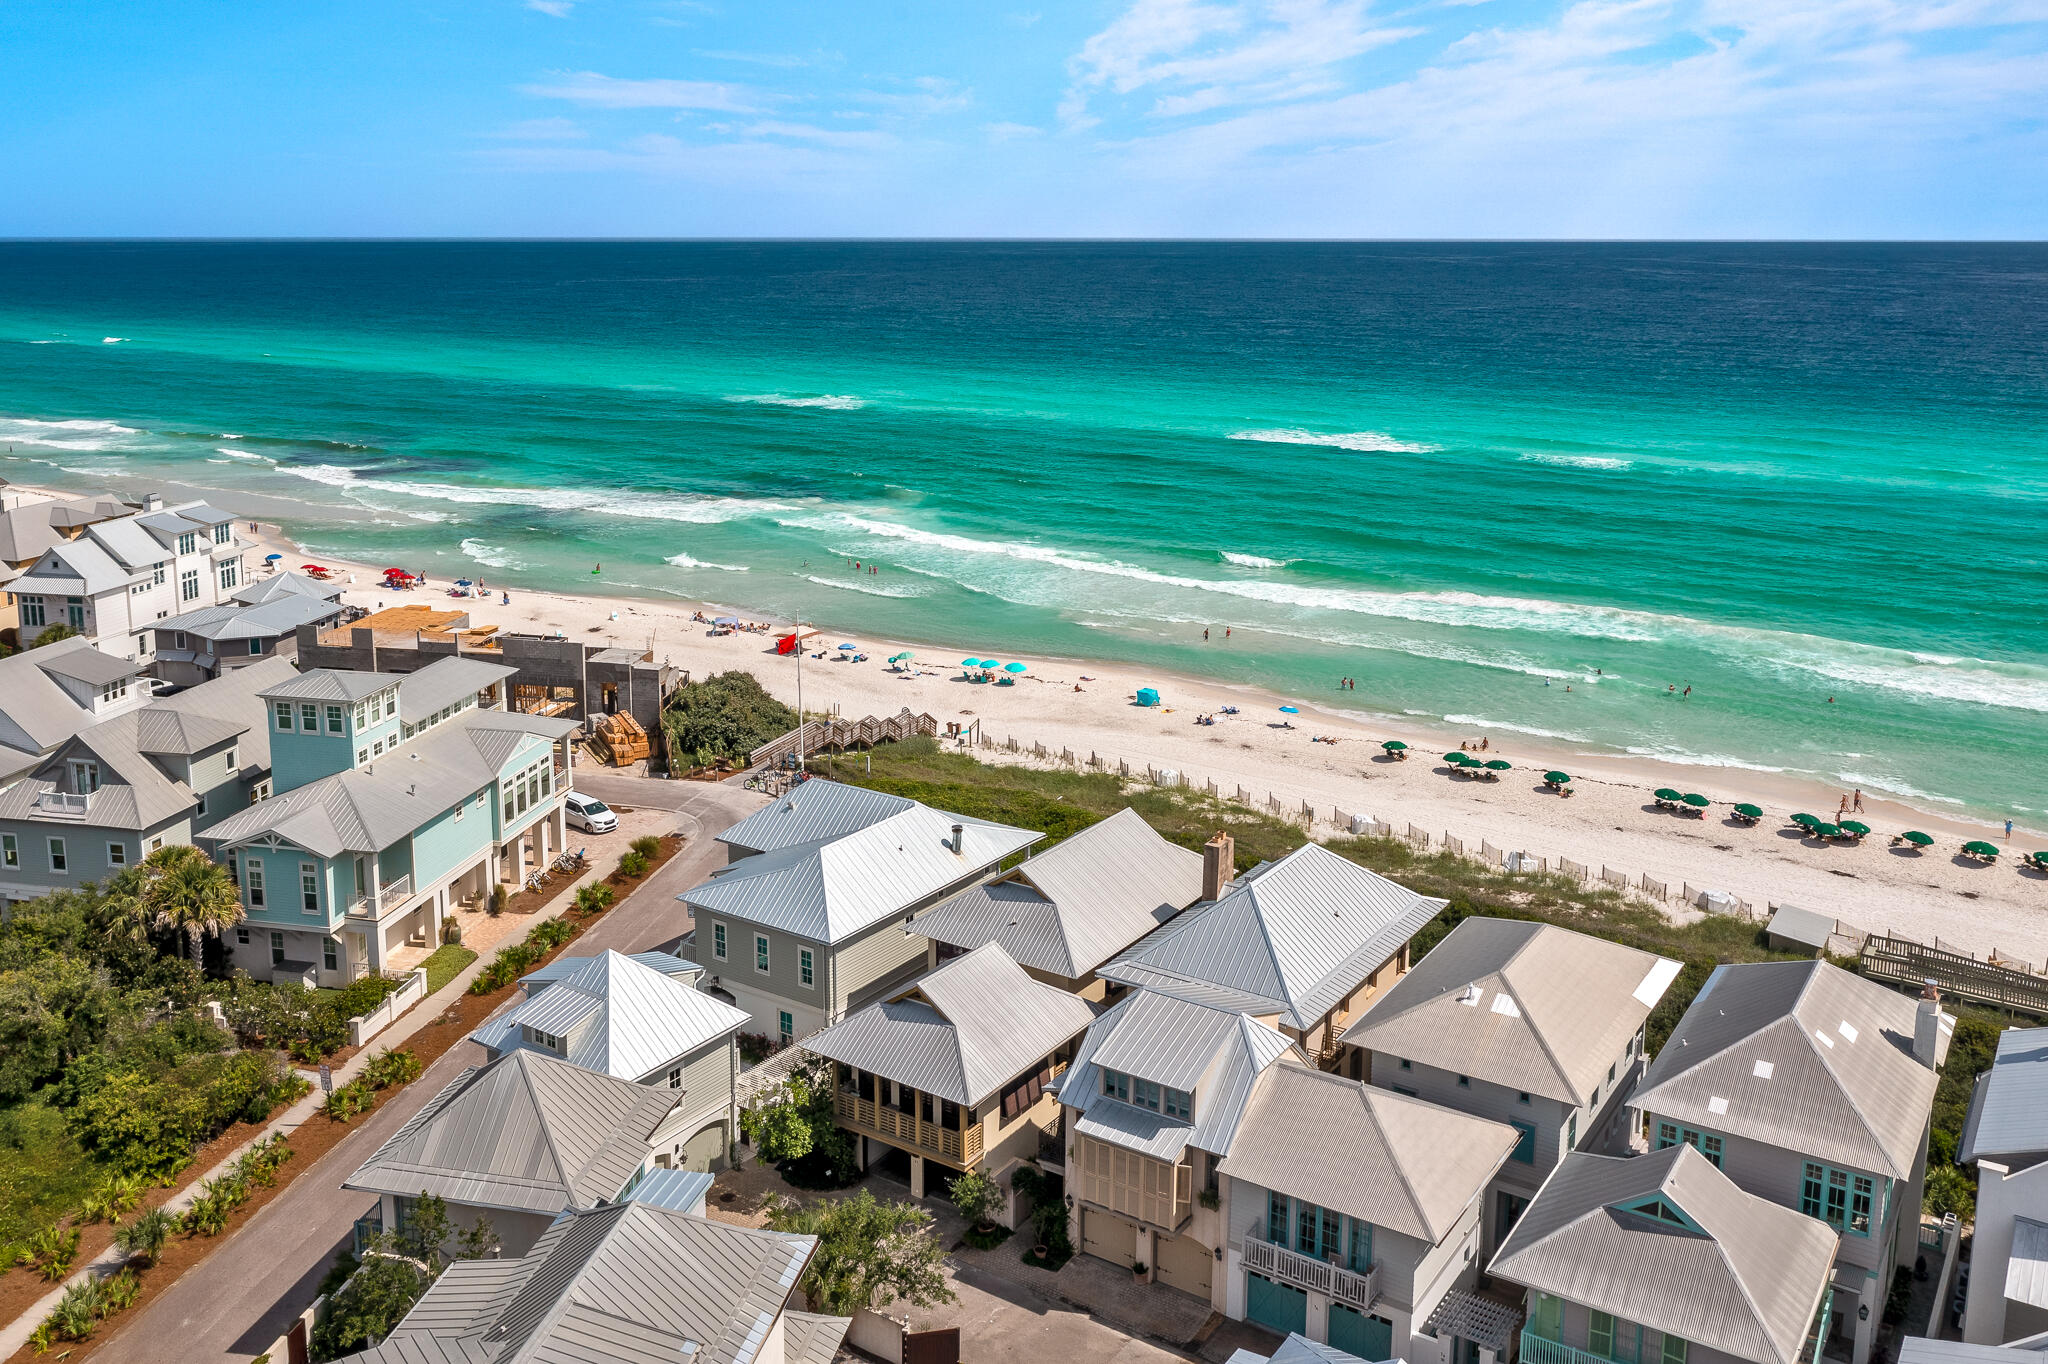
(258, 620)
(811, 918)
(1812, 1088)
(1662, 1259)
(1527, 1024)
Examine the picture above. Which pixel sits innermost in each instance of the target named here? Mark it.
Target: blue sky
(1373, 118)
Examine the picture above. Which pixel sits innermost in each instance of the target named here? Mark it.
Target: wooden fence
(1904, 962)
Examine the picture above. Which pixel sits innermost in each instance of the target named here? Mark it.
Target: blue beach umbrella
(970, 663)
(272, 558)
(1015, 668)
(990, 663)
(849, 648)
(1290, 710)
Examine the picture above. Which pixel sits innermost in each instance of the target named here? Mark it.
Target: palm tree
(184, 889)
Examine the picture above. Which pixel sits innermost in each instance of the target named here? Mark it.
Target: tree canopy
(724, 716)
(869, 1253)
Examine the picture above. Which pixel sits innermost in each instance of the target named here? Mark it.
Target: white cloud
(610, 92)
(926, 97)
(558, 8)
(803, 132)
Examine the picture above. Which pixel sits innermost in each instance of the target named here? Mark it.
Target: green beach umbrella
(1394, 746)
(1455, 759)
(1981, 848)
(1499, 765)
(2039, 859)
(1557, 778)
(1856, 826)
(1696, 800)
(1808, 821)
(1750, 811)
(1822, 829)
(1666, 793)
(1916, 838)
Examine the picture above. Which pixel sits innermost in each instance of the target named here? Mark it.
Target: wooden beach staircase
(838, 735)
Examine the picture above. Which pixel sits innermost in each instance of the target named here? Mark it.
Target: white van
(590, 814)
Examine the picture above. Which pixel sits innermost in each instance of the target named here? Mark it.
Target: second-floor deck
(909, 1131)
(1347, 1286)
(390, 896)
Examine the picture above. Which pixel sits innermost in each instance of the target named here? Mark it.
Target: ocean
(1541, 489)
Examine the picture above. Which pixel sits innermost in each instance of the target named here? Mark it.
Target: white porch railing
(62, 804)
(1303, 1271)
(395, 892)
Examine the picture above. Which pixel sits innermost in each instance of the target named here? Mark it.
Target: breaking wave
(1378, 441)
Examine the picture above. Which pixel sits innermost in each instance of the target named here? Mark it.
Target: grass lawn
(446, 964)
(44, 1172)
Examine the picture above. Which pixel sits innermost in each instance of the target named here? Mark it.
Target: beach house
(1662, 1259)
(2006, 1137)
(637, 1018)
(50, 693)
(1524, 1023)
(259, 620)
(954, 1069)
(1303, 943)
(118, 577)
(31, 523)
(519, 1141)
(147, 775)
(1063, 912)
(811, 917)
(1812, 1088)
(1296, 1349)
(634, 1283)
(394, 797)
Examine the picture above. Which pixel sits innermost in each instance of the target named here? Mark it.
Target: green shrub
(647, 845)
(375, 1299)
(79, 1312)
(632, 864)
(595, 898)
(512, 962)
(549, 934)
(446, 964)
(977, 1197)
(151, 1125)
(145, 1236)
(499, 897)
(349, 1100)
(388, 1068)
(1948, 1190)
(728, 715)
(258, 1166)
(51, 1252)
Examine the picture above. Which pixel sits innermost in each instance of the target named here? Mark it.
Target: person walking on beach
(2008, 831)
(1205, 634)
(1859, 800)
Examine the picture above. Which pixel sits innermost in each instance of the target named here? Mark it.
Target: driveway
(236, 1302)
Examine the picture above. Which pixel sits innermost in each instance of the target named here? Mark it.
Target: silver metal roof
(333, 684)
(1747, 1283)
(1800, 1055)
(1299, 933)
(813, 812)
(1297, 1349)
(526, 1133)
(2009, 1107)
(35, 702)
(1801, 925)
(618, 1016)
(1220, 1055)
(832, 889)
(2026, 1272)
(676, 1190)
(1525, 1005)
(629, 1284)
(1072, 907)
(808, 1338)
(1382, 1157)
(91, 667)
(267, 619)
(444, 682)
(961, 1032)
(1921, 1350)
(674, 967)
(279, 585)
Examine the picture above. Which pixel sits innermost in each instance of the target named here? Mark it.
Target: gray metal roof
(1298, 933)
(280, 585)
(630, 1284)
(1297, 1349)
(1747, 1283)
(1525, 1005)
(78, 568)
(676, 1190)
(268, 619)
(1801, 925)
(812, 812)
(1921, 1350)
(674, 967)
(1763, 1053)
(35, 702)
(1382, 1157)
(2026, 1272)
(961, 1032)
(26, 530)
(1220, 1055)
(444, 682)
(1070, 908)
(809, 1338)
(332, 684)
(832, 889)
(2009, 1106)
(618, 1016)
(91, 667)
(526, 1133)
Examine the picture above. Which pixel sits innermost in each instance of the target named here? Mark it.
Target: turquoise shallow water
(1467, 475)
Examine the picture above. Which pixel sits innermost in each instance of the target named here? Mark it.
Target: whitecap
(82, 434)
(1253, 560)
(685, 561)
(834, 402)
(1682, 758)
(1894, 785)
(1579, 461)
(240, 454)
(491, 556)
(1372, 441)
(111, 340)
(610, 502)
(1482, 722)
(869, 589)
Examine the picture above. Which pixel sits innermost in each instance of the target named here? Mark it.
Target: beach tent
(1148, 696)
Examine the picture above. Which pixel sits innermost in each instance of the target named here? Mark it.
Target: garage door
(1184, 1264)
(1109, 1237)
(1366, 1337)
(1276, 1306)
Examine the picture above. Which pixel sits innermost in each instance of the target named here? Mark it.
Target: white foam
(1579, 461)
(78, 434)
(240, 454)
(1682, 758)
(1253, 560)
(834, 402)
(1482, 722)
(1893, 785)
(112, 340)
(685, 561)
(867, 589)
(490, 556)
(609, 501)
(2009, 686)
(1377, 441)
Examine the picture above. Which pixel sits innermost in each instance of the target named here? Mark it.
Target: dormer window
(114, 691)
(1148, 1094)
(85, 777)
(188, 543)
(549, 1041)
(221, 533)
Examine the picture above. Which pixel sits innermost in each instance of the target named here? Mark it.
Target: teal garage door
(1275, 1306)
(1366, 1337)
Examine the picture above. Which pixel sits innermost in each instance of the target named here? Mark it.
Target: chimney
(1927, 1026)
(1219, 863)
(958, 836)
(152, 502)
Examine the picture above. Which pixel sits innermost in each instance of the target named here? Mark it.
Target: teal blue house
(395, 798)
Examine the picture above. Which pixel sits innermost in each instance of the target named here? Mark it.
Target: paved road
(233, 1304)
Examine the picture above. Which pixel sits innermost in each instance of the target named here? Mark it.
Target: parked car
(590, 814)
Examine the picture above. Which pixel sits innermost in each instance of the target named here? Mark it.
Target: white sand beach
(1610, 821)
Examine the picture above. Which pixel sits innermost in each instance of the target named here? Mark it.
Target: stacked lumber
(620, 740)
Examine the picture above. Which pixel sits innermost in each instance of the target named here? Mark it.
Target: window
(229, 575)
(276, 947)
(1600, 1334)
(178, 640)
(242, 934)
(377, 749)
(309, 718)
(1179, 1104)
(1407, 1064)
(362, 715)
(330, 954)
(74, 609)
(255, 646)
(804, 972)
(718, 941)
(1522, 1096)
(1145, 1094)
(156, 842)
(188, 585)
(554, 1042)
(391, 703)
(284, 717)
(787, 1025)
(234, 759)
(309, 888)
(255, 884)
(57, 861)
(114, 690)
(235, 870)
(32, 611)
(157, 574)
(1610, 1075)
(85, 777)
(1706, 1143)
(1571, 1134)
(1116, 1085)
(1276, 1218)
(221, 533)
(10, 851)
(675, 1077)
(334, 720)
(1674, 1349)
(117, 854)
(1841, 1198)
(188, 543)
(1464, 1082)
(261, 791)
(761, 953)
(201, 810)
(363, 756)
(1525, 1148)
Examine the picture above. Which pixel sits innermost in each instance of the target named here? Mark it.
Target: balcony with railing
(62, 804)
(391, 895)
(1347, 1286)
(909, 1131)
(1540, 1350)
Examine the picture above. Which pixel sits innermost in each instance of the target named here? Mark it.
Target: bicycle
(535, 880)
